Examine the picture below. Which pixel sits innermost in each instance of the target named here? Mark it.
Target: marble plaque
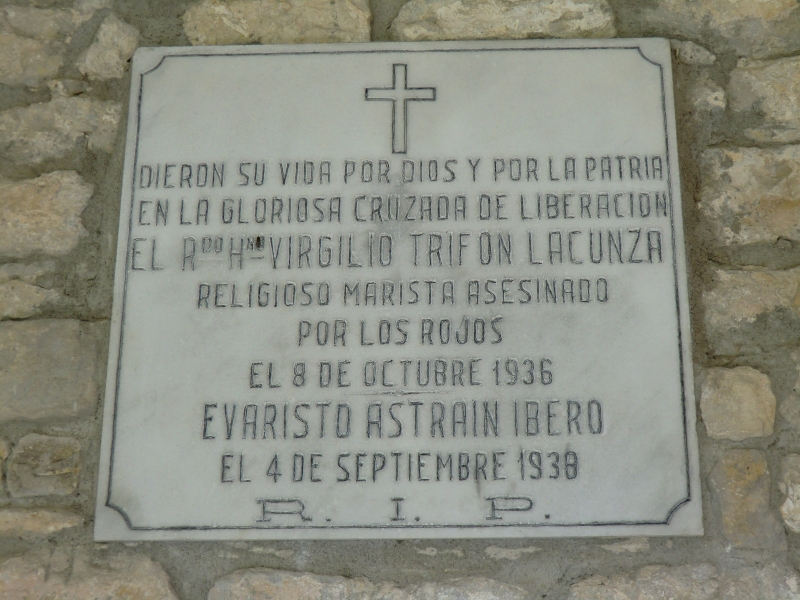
(400, 291)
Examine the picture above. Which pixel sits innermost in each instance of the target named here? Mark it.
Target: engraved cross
(400, 95)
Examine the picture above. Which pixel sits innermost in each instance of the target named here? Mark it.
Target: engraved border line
(681, 357)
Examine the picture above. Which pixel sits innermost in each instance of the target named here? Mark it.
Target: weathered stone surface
(431, 551)
(461, 589)
(687, 582)
(25, 522)
(704, 103)
(44, 24)
(790, 487)
(690, 53)
(740, 480)
(47, 369)
(757, 29)
(41, 465)
(33, 42)
(91, 5)
(771, 90)
(42, 214)
(706, 96)
(507, 19)
(751, 195)
(706, 106)
(280, 585)
(67, 87)
(111, 50)
(28, 273)
(120, 576)
(20, 300)
(738, 298)
(499, 553)
(789, 408)
(32, 134)
(214, 22)
(737, 404)
(636, 544)
(24, 61)
(750, 582)
(5, 450)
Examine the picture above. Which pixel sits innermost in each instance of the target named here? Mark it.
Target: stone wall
(63, 96)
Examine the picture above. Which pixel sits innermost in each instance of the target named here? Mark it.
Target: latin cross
(400, 95)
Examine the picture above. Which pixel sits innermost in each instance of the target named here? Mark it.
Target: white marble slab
(401, 291)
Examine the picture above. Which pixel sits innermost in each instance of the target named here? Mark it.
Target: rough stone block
(789, 408)
(751, 582)
(790, 487)
(20, 300)
(119, 576)
(751, 195)
(706, 96)
(41, 465)
(27, 522)
(44, 23)
(111, 50)
(214, 22)
(33, 42)
(24, 61)
(501, 553)
(740, 481)
(474, 588)
(635, 544)
(690, 53)
(687, 582)
(737, 404)
(48, 369)
(90, 5)
(42, 214)
(5, 450)
(50, 130)
(740, 304)
(29, 273)
(755, 29)
(771, 91)
(505, 19)
(706, 103)
(67, 87)
(279, 585)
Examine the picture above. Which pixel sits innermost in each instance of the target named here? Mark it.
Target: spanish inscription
(400, 291)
